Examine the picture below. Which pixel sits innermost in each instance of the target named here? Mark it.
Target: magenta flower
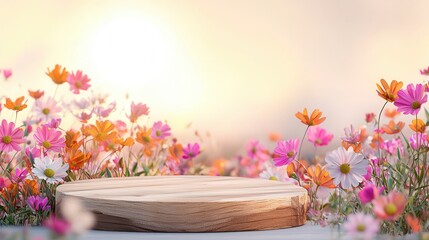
(255, 150)
(20, 175)
(409, 101)
(10, 137)
(369, 193)
(49, 138)
(57, 226)
(7, 73)
(160, 131)
(285, 152)
(191, 151)
(54, 123)
(38, 204)
(418, 140)
(319, 136)
(78, 82)
(4, 182)
(137, 110)
(425, 71)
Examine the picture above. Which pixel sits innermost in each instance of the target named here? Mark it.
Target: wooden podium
(189, 203)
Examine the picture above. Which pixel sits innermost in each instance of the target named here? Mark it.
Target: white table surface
(308, 231)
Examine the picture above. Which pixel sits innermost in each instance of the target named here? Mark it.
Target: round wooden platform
(189, 203)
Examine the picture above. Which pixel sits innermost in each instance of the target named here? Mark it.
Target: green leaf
(109, 174)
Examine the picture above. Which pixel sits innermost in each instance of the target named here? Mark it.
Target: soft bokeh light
(238, 69)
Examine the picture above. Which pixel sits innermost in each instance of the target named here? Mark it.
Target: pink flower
(425, 71)
(46, 109)
(10, 137)
(318, 136)
(285, 152)
(360, 226)
(38, 204)
(369, 117)
(256, 150)
(57, 226)
(137, 111)
(160, 131)
(7, 73)
(392, 146)
(20, 175)
(418, 140)
(369, 192)
(4, 182)
(78, 82)
(49, 138)
(191, 151)
(54, 123)
(389, 207)
(410, 101)
(32, 153)
(104, 111)
(352, 135)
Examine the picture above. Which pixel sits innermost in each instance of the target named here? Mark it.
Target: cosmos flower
(425, 71)
(137, 110)
(392, 127)
(191, 151)
(50, 170)
(285, 152)
(78, 82)
(160, 130)
(10, 137)
(409, 101)
(38, 204)
(346, 167)
(389, 207)
(272, 172)
(319, 136)
(313, 120)
(255, 150)
(49, 138)
(16, 105)
(46, 109)
(361, 226)
(418, 125)
(369, 193)
(36, 94)
(58, 74)
(7, 73)
(389, 92)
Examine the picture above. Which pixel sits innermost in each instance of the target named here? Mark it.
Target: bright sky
(239, 69)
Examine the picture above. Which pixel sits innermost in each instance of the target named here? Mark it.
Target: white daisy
(346, 167)
(272, 172)
(51, 170)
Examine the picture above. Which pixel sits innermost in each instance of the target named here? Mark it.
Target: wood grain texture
(189, 203)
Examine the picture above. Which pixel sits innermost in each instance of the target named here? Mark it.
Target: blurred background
(233, 69)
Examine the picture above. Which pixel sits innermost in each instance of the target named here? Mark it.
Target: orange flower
(175, 152)
(76, 158)
(297, 168)
(315, 118)
(414, 223)
(320, 176)
(58, 75)
(356, 146)
(102, 131)
(375, 141)
(128, 142)
(30, 187)
(392, 127)
(391, 112)
(144, 137)
(418, 126)
(274, 137)
(17, 105)
(72, 139)
(36, 94)
(389, 93)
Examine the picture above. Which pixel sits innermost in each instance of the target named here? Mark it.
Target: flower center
(6, 139)
(345, 168)
(49, 173)
(78, 84)
(415, 105)
(158, 133)
(360, 227)
(46, 111)
(390, 209)
(46, 144)
(290, 154)
(274, 178)
(146, 139)
(16, 108)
